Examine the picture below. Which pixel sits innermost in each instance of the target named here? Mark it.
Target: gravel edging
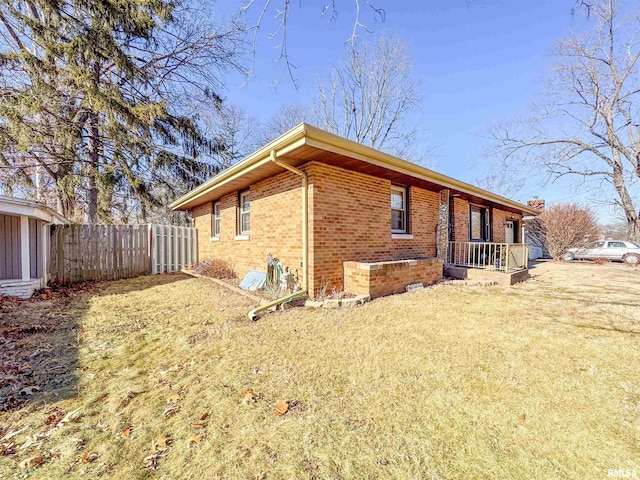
(338, 302)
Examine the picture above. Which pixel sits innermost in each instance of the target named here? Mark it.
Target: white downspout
(253, 314)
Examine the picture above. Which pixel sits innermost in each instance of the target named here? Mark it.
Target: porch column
(24, 248)
(442, 230)
(44, 254)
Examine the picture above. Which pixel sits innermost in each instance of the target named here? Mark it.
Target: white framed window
(215, 221)
(244, 219)
(398, 209)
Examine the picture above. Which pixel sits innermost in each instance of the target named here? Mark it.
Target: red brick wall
(460, 212)
(276, 226)
(349, 220)
(350, 217)
(377, 280)
(461, 222)
(499, 217)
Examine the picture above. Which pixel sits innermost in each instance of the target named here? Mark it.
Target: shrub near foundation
(216, 268)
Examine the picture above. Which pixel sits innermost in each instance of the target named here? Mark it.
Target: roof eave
(32, 209)
(241, 167)
(386, 160)
(314, 136)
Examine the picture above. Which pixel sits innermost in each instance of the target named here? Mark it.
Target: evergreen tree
(91, 92)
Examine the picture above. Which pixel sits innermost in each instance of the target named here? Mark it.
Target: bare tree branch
(369, 96)
(590, 126)
(281, 15)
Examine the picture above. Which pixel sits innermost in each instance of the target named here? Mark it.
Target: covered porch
(503, 263)
(24, 238)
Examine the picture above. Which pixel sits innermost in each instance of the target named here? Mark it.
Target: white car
(619, 250)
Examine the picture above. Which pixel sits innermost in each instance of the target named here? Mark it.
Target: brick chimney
(536, 203)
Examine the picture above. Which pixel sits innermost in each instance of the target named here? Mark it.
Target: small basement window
(244, 224)
(398, 210)
(215, 220)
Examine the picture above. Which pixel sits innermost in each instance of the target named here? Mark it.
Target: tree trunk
(65, 193)
(94, 158)
(64, 204)
(105, 202)
(633, 230)
(631, 215)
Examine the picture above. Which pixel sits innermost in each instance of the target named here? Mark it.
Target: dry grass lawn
(540, 380)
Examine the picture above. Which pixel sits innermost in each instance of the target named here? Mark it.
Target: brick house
(344, 216)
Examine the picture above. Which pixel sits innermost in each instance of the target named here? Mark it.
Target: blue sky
(479, 62)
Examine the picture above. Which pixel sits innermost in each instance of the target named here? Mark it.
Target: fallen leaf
(282, 407)
(162, 441)
(204, 416)
(195, 439)
(7, 448)
(126, 432)
(150, 462)
(170, 411)
(248, 396)
(89, 457)
(126, 400)
(53, 416)
(159, 448)
(69, 417)
(198, 426)
(32, 462)
(175, 398)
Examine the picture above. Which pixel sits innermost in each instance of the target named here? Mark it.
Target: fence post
(150, 247)
(185, 247)
(176, 253)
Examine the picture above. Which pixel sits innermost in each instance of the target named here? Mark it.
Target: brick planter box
(385, 278)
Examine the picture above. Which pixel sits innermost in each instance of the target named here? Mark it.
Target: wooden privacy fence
(171, 248)
(111, 252)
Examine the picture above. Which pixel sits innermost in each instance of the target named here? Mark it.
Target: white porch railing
(502, 257)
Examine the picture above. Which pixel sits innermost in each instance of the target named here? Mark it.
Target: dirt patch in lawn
(39, 346)
(539, 380)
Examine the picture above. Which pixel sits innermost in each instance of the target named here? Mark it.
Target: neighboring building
(24, 245)
(370, 221)
(533, 237)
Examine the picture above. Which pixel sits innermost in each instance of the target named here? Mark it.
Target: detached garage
(24, 242)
